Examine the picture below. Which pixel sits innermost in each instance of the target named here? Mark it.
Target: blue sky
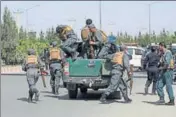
(116, 15)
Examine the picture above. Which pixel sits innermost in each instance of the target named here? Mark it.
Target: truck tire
(83, 90)
(73, 93)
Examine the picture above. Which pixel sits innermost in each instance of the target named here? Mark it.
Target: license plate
(97, 81)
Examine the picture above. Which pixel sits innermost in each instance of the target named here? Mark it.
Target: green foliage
(14, 44)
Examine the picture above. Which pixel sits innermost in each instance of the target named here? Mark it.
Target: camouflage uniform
(32, 73)
(116, 78)
(96, 38)
(69, 41)
(165, 76)
(56, 66)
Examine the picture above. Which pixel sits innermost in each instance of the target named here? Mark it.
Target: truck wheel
(73, 93)
(83, 90)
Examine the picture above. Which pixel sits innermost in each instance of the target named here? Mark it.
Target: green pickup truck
(87, 73)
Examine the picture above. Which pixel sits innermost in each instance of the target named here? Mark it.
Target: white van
(136, 53)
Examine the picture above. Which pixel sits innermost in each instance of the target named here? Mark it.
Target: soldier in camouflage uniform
(69, 40)
(165, 75)
(31, 65)
(120, 61)
(56, 62)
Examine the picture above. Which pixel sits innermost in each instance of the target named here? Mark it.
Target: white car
(136, 53)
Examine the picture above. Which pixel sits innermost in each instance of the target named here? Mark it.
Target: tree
(9, 37)
(22, 33)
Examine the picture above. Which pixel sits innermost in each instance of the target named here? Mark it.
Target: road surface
(14, 92)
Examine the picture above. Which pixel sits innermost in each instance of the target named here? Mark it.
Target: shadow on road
(46, 92)
(24, 99)
(154, 103)
(93, 96)
(141, 93)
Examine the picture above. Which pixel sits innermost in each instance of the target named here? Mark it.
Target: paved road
(14, 90)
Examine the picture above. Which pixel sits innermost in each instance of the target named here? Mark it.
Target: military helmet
(59, 28)
(88, 21)
(111, 39)
(31, 52)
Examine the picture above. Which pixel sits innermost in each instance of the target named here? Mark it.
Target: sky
(129, 16)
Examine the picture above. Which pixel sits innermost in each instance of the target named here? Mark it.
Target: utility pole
(100, 14)
(149, 8)
(27, 15)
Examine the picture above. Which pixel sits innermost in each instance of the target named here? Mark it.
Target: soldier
(56, 61)
(69, 40)
(120, 61)
(151, 60)
(165, 77)
(95, 41)
(31, 65)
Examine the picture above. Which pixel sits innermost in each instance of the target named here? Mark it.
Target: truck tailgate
(85, 68)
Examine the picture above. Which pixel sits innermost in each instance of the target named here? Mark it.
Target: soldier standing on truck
(69, 40)
(56, 61)
(93, 41)
(31, 65)
(120, 61)
(151, 61)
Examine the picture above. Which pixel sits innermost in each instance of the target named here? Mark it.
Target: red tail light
(66, 69)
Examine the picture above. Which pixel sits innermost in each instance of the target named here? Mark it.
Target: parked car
(136, 53)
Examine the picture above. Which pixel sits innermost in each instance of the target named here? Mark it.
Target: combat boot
(170, 103)
(126, 98)
(103, 98)
(74, 56)
(37, 96)
(160, 101)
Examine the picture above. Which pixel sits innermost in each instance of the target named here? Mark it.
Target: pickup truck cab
(86, 73)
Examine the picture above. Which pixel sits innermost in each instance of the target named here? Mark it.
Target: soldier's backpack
(118, 58)
(31, 59)
(55, 54)
(85, 33)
